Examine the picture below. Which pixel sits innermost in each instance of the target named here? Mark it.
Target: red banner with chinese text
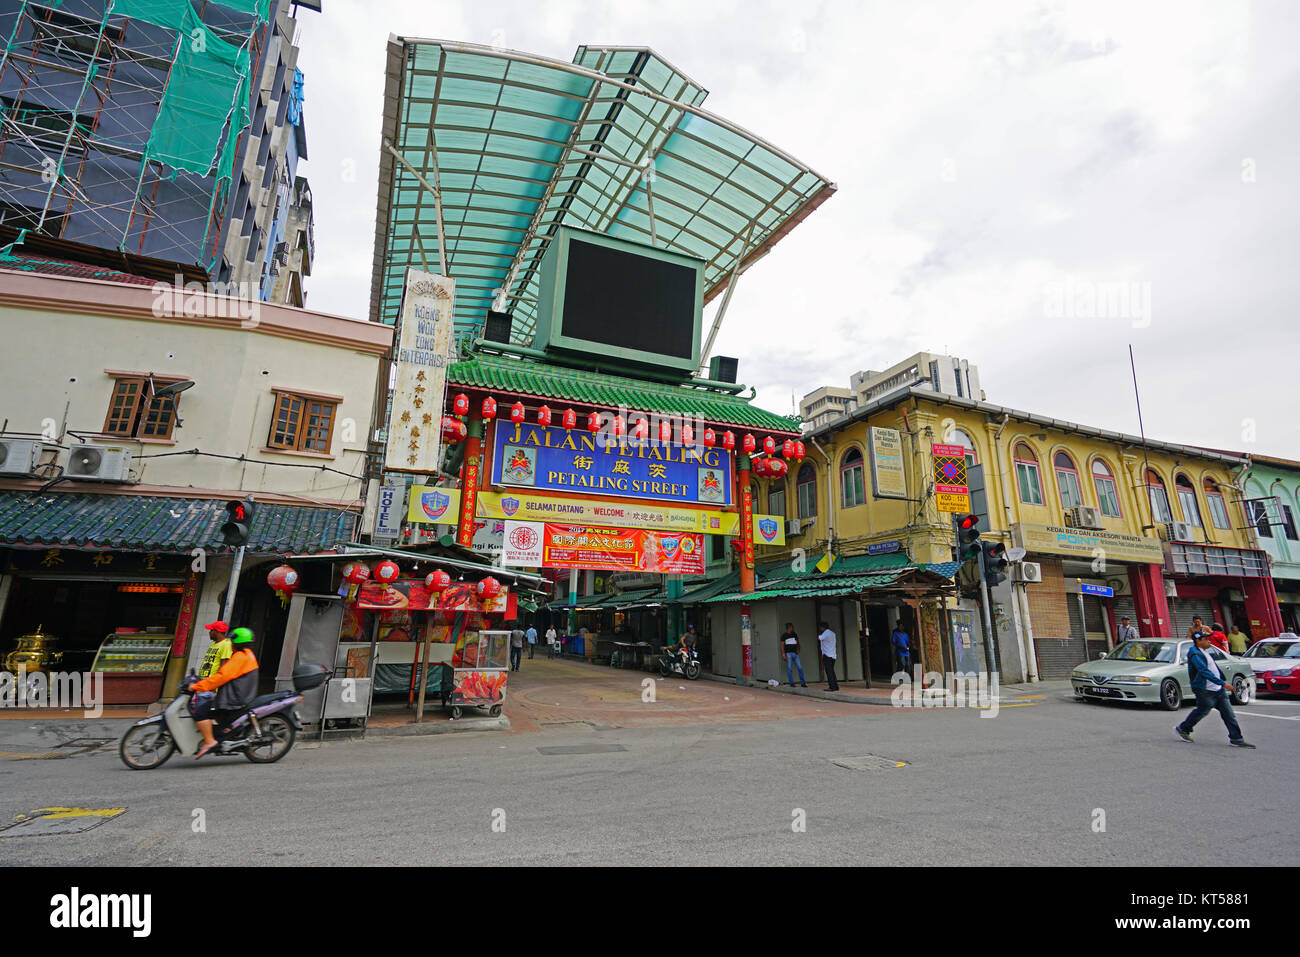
(624, 549)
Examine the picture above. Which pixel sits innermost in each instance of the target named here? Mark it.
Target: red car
(1276, 663)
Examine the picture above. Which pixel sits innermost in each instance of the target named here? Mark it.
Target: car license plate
(1104, 692)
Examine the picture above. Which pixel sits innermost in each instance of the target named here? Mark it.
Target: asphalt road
(1029, 786)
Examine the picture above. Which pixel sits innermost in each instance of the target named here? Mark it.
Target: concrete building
(112, 491)
(825, 405)
(1272, 489)
(925, 370)
(1161, 526)
(126, 148)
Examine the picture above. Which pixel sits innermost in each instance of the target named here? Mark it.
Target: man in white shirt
(1210, 688)
(826, 638)
(1126, 630)
(551, 642)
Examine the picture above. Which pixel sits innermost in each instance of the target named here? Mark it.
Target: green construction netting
(207, 89)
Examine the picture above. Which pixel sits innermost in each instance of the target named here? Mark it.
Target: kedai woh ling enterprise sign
(566, 460)
(424, 350)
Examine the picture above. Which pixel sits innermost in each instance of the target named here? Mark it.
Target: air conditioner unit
(793, 526)
(98, 463)
(1083, 516)
(19, 456)
(1176, 532)
(1027, 572)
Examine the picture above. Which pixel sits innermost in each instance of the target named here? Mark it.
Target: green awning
(508, 377)
(520, 145)
(152, 523)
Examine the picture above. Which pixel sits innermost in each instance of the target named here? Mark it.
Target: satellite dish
(1015, 554)
(174, 388)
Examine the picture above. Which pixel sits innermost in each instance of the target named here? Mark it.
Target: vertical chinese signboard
(950, 489)
(423, 352)
(747, 522)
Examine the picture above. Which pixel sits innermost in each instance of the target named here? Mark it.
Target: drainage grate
(87, 744)
(581, 749)
(868, 762)
(59, 820)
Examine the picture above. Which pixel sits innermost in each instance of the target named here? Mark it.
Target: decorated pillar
(469, 483)
(1260, 598)
(746, 496)
(184, 629)
(1149, 601)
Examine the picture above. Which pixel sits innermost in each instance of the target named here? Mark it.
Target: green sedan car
(1154, 671)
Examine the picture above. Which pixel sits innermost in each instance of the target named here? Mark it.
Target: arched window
(1187, 500)
(1031, 489)
(1218, 510)
(776, 497)
(1067, 480)
(962, 438)
(806, 489)
(852, 490)
(1103, 480)
(1160, 511)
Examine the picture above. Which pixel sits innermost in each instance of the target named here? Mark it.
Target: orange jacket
(239, 675)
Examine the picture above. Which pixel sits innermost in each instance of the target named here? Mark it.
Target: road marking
(59, 820)
(1275, 717)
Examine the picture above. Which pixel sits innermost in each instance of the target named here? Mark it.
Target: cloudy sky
(1005, 169)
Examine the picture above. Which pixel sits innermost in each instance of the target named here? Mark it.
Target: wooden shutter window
(285, 423)
(123, 406)
(133, 411)
(320, 426)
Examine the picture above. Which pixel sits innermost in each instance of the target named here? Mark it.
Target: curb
(882, 702)
(440, 726)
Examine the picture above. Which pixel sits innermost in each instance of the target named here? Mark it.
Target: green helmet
(241, 636)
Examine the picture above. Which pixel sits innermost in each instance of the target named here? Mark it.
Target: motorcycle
(264, 732)
(671, 663)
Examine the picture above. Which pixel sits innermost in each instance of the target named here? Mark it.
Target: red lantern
(769, 445)
(437, 580)
(517, 413)
(798, 450)
(777, 468)
(709, 438)
(355, 573)
(488, 588)
(387, 572)
(453, 430)
(489, 408)
(688, 435)
(749, 444)
(593, 422)
(570, 419)
(787, 448)
(641, 430)
(543, 416)
(665, 431)
(460, 404)
(728, 440)
(618, 426)
(285, 582)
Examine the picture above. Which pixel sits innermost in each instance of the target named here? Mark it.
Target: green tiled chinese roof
(158, 524)
(524, 378)
(829, 586)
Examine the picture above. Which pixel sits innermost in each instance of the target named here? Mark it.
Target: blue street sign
(1099, 590)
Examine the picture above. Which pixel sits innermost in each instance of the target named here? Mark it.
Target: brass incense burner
(35, 652)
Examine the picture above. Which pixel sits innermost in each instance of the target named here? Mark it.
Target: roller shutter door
(1185, 609)
(1057, 657)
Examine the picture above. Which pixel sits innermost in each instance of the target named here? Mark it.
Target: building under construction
(153, 136)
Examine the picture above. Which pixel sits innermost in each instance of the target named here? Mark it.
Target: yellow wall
(928, 531)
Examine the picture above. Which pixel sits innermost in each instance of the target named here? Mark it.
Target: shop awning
(148, 523)
(522, 377)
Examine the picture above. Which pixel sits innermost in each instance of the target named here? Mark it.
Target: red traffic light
(968, 521)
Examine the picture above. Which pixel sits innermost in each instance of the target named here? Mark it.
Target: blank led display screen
(632, 302)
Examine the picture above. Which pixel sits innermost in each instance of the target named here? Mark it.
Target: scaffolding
(122, 121)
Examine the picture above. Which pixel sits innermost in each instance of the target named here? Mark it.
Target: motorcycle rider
(235, 684)
(687, 644)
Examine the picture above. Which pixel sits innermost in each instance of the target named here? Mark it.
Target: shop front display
(133, 665)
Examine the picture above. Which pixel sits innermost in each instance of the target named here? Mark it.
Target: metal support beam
(726, 299)
(437, 198)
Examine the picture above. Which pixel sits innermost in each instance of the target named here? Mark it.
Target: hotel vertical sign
(886, 447)
(423, 352)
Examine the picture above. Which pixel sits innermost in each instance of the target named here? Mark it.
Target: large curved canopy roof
(518, 145)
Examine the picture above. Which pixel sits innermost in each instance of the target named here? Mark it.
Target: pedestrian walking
(826, 638)
(531, 636)
(1218, 638)
(790, 649)
(516, 648)
(902, 648)
(1211, 692)
(1126, 630)
(1237, 643)
(552, 642)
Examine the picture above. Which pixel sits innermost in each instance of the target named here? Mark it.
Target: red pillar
(1151, 606)
(469, 481)
(746, 560)
(1261, 608)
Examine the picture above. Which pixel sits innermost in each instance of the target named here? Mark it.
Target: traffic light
(968, 537)
(995, 563)
(239, 521)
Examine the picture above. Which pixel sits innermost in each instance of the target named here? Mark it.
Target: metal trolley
(480, 680)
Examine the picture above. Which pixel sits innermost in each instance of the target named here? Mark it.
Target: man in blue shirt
(902, 649)
(1211, 691)
(531, 636)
